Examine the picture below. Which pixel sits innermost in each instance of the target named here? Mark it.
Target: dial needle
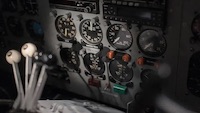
(148, 45)
(117, 39)
(65, 32)
(91, 25)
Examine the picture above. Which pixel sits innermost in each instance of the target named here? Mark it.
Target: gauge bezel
(113, 44)
(58, 30)
(89, 69)
(83, 37)
(150, 54)
(116, 79)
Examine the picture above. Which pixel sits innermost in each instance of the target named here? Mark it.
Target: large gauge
(15, 26)
(119, 37)
(30, 6)
(66, 27)
(70, 58)
(35, 29)
(94, 64)
(196, 25)
(152, 43)
(120, 72)
(91, 31)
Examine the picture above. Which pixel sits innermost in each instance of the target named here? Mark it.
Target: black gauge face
(147, 74)
(91, 32)
(94, 64)
(15, 26)
(66, 27)
(35, 29)
(70, 58)
(9, 5)
(119, 37)
(152, 43)
(30, 6)
(120, 72)
(193, 82)
(196, 26)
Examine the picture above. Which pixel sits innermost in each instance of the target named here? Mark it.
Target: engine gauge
(15, 26)
(66, 27)
(120, 72)
(94, 64)
(35, 29)
(30, 6)
(146, 75)
(152, 43)
(91, 31)
(196, 26)
(119, 37)
(9, 5)
(70, 58)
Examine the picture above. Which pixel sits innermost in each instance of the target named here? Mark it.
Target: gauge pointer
(117, 39)
(148, 45)
(13, 4)
(65, 31)
(91, 25)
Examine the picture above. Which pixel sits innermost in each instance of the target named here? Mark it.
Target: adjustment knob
(88, 9)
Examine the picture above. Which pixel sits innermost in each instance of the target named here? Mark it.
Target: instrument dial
(66, 27)
(196, 26)
(146, 75)
(15, 26)
(120, 72)
(30, 6)
(152, 43)
(119, 37)
(94, 64)
(35, 29)
(91, 31)
(70, 58)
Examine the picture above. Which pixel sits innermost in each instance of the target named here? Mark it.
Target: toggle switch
(119, 89)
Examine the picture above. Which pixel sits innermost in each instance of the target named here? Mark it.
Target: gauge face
(94, 64)
(120, 72)
(34, 28)
(66, 27)
(196, 26)
(70, 58)
(9, 5)
(152, 43)
(15, 26)
(119, 37)
(146, 75)
(30, 6)
(193, 82)
(91, 32)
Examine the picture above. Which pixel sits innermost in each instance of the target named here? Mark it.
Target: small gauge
(91, 31)
(147, 74)
(66, 27)
(35, 29)
(15, 26)
(120, 72)
(9, 5)
(119, 37)
(152, 43)
(30, 6)
(94, 64)
(196, 26)
(70, 58)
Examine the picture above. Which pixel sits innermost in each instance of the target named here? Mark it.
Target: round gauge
(119, 37)
(94, 64)
(91, 31)
(35, 29)
(120, 72)
(70, 58)
(66, 27)
(30, 6)
(146, 75)
(152, 43)
(15, 26)
(196, 26)
(9, 5)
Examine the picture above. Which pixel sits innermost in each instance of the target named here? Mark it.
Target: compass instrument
(70, 58)
(120, 72)
(152, 43)
(91, 31)
(119, 37)
(65, 27)
(94, 64)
